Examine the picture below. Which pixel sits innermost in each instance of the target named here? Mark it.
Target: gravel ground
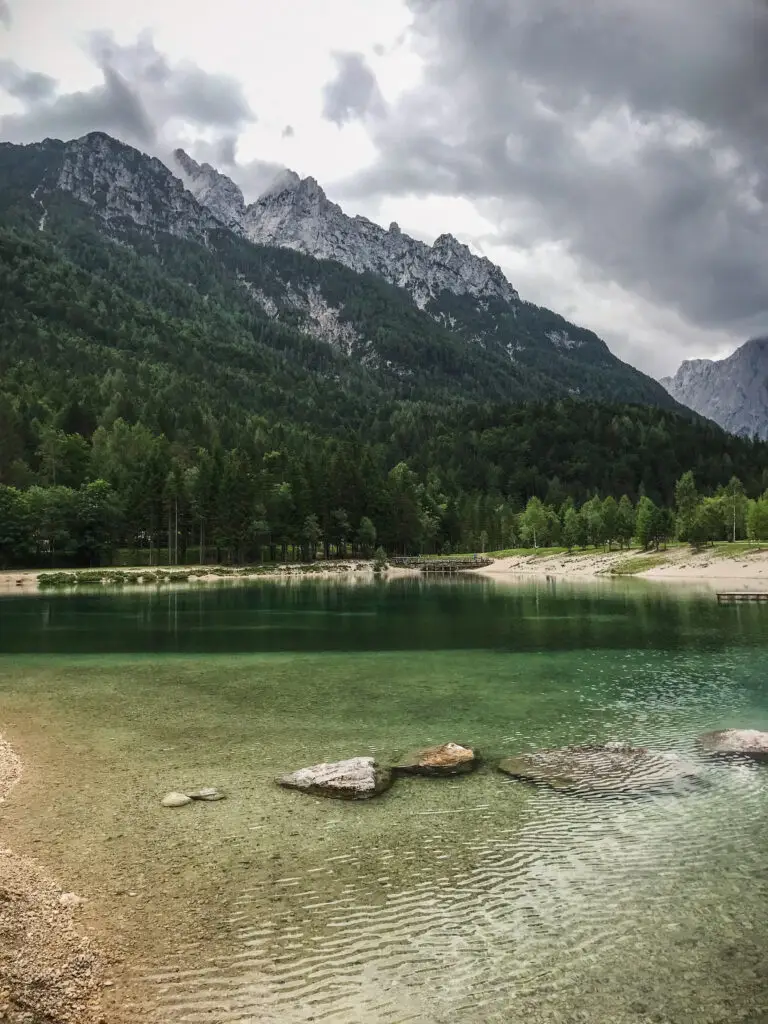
(49, 973)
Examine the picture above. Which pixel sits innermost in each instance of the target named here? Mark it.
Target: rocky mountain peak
(286, 181)
(122, 184)
(296, 213)
(212, 189)
(447, 241)
(293, 212)
(733, 391)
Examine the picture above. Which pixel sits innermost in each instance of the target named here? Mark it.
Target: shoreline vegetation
(740, 562)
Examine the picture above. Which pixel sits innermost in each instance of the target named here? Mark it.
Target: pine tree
(646, 525)
(625, 521)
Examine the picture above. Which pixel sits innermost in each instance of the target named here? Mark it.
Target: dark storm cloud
(181, 90)
(353, 92)
(634, 134)
(27, 86)
(111, 107)
(143, 99)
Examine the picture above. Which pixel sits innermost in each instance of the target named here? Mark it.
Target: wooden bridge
(737, 596)
(442, 565)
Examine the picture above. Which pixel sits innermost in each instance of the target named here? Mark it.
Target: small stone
(358, 778)
(446, 759)
(176, 800)
(71, 899)
(733, 742)
(207, 793)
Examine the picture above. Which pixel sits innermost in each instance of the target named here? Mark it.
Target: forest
(129, 491)
(147, 405)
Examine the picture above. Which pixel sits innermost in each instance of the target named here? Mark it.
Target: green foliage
(573, 528)
(148, 403)
(686, 502)
(734, 505)
(366, 536)
(610, 516)
(757, 518)
(533, 524)
(647, 523)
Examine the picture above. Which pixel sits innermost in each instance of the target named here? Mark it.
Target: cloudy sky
(610, 155)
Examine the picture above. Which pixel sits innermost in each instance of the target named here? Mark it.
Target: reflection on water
(477, 898)
(402, 614)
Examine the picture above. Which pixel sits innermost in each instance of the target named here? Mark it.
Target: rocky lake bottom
(477, 897)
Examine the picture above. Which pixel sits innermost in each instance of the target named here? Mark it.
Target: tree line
(142, 496)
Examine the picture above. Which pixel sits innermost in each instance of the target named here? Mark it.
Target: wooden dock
(737, 596)
(443, 565)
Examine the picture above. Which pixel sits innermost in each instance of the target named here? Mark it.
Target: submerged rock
(358, 778)
(445, 759)
(207, 793)
(176, 800)
(730, 742)
(602, 768)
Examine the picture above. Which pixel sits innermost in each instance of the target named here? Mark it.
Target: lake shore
(49, 970)
(716, 567)
(21, 581)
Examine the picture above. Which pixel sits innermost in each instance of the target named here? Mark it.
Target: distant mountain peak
(732, 391)
(212, 189)
(286, 181)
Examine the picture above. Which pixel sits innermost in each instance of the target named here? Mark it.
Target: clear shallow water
(480, 896)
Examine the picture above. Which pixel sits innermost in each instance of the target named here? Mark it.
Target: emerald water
(477, 898)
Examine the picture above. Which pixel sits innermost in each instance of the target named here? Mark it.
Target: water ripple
(575, 910)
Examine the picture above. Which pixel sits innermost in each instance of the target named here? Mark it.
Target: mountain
(155, 361)
(733, 392)
(295, 213)
(431, 320)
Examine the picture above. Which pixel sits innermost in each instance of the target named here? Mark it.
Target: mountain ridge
(295, 213)
(496, 347)
(733, 392)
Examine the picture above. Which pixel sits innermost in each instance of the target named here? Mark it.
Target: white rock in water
(176, 800)
(358, 778)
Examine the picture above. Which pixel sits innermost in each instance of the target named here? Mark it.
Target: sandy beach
(716, 567)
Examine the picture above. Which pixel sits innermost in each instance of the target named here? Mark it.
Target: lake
(476, 898)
